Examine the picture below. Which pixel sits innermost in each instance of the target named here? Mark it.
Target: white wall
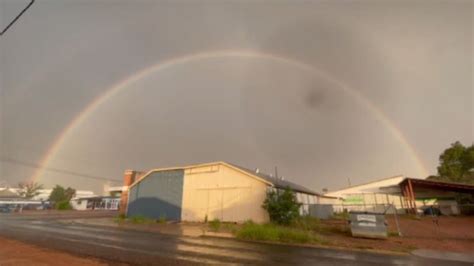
(219, 191)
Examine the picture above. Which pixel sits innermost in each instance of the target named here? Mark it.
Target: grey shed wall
(159, 194)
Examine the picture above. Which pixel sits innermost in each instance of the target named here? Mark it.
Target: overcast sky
(412, 61)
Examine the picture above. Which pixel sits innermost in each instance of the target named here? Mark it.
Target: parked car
(5, 209)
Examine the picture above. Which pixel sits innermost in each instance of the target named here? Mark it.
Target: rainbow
(166, 64)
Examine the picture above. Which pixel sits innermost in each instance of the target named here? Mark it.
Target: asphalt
(146, 248)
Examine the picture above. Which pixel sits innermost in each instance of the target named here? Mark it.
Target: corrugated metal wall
(158, 195)
(220, 192)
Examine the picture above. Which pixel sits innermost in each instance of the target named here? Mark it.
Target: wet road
(145, 248)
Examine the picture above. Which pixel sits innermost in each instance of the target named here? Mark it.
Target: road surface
(145, 248)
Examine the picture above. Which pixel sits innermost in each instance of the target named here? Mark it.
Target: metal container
(368, 225)
(321, 211)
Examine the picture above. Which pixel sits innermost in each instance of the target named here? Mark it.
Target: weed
(120, 218)
(162, 219)
(215, 225)
(140, 219)
(341, 215)
(393, 234)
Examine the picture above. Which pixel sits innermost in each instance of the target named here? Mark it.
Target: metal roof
(439, 185)
(278, 183)
(7, 193)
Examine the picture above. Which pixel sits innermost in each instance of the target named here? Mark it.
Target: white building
(44, 194)
(216, 190)
(371, 196)
(96, 203)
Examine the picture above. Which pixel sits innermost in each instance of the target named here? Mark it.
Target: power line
(52, 169)
(16, 18)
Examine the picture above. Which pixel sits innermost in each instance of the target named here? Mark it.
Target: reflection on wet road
(138, 247)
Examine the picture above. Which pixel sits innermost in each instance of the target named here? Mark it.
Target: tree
(282, 206)
(456, 164)
(61, 197)
(29, 189)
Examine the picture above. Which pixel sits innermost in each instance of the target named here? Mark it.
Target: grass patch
(229, 227)
(162, 219)
(140, 219)
(393, 234)
(120, 218)
(215, 225)
(307, 223)
(275, 233)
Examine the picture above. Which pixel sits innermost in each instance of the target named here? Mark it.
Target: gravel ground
(15, 253)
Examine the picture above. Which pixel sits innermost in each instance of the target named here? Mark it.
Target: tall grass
(307, 223)
(276, 233)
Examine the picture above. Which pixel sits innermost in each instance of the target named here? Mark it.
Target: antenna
(16, 18)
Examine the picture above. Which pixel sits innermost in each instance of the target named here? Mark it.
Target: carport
(413, 189)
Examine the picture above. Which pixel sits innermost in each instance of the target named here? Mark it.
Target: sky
(330, 92)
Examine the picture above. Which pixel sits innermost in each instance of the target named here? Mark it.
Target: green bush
(215, 224)
(276, 233)
(282, 206)
(63, 205)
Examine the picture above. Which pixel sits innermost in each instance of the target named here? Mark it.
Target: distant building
(370, 196)
(11, 197)
(95, 203)
(8, 194)
(217, 190)
(45, 193)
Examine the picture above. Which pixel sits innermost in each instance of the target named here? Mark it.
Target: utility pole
(276, 172)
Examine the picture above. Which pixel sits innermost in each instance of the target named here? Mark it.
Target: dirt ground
(455, 234)
(15, 253)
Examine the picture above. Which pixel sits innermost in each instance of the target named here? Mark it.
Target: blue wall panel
(160, 194)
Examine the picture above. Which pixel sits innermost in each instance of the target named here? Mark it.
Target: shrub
(282, 206)
(63, 205)
(215, 224)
